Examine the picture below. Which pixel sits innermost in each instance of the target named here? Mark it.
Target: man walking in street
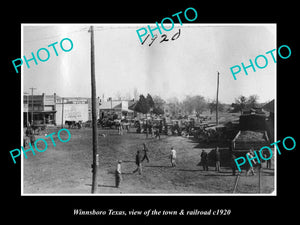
(145, 150)
(173, 157)
(138, 162)
(218, 159)
(118, 174)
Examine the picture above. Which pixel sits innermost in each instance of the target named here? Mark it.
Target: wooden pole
(62, 113)
(94, 116)
(259, 178)
(217, 101)
(27, 119)
(236, 183)
(32, 105)
(27, 101)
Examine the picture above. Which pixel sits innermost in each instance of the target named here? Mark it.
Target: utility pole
(27, 101)
(217, 101)
(259, 178)
(94, 116)
(62, 112)
(32, 105)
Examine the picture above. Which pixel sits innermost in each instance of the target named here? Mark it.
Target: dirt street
(66, 168)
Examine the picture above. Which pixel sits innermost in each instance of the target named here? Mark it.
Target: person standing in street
(138, 162)
(218, 159)
(204, 160)
(118, 174)
(120, 128)
(173, 157)
(157, 133)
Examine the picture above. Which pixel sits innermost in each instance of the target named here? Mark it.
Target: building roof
(269, 106)
(116, 105)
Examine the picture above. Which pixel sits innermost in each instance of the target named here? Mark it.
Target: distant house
(119, 107)
(269, 107)
(52, 110)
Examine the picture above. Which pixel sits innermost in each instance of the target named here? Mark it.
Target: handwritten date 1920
(163, 38)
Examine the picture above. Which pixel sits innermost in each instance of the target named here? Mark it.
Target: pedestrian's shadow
(126, 173)
(158, 166)
(123, 173)
(102, 185)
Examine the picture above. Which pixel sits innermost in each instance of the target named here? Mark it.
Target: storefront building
(39, 109)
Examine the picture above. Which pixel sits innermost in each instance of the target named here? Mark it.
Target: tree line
(243, 102)
(196, 104)
(191, 104)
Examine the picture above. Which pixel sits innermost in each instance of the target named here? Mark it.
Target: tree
(188, 105)
(150, 101)
(252, 101)
(212, 106)
(199, 103)
(148, 104)
(158, 111)
(159, 105)
(142, 105)
(159, 102)
(195, 103)
(240, 103)
(174, 106)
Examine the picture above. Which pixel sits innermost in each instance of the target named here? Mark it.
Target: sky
(175, 68)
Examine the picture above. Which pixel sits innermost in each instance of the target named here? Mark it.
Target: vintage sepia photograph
(106, 114)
